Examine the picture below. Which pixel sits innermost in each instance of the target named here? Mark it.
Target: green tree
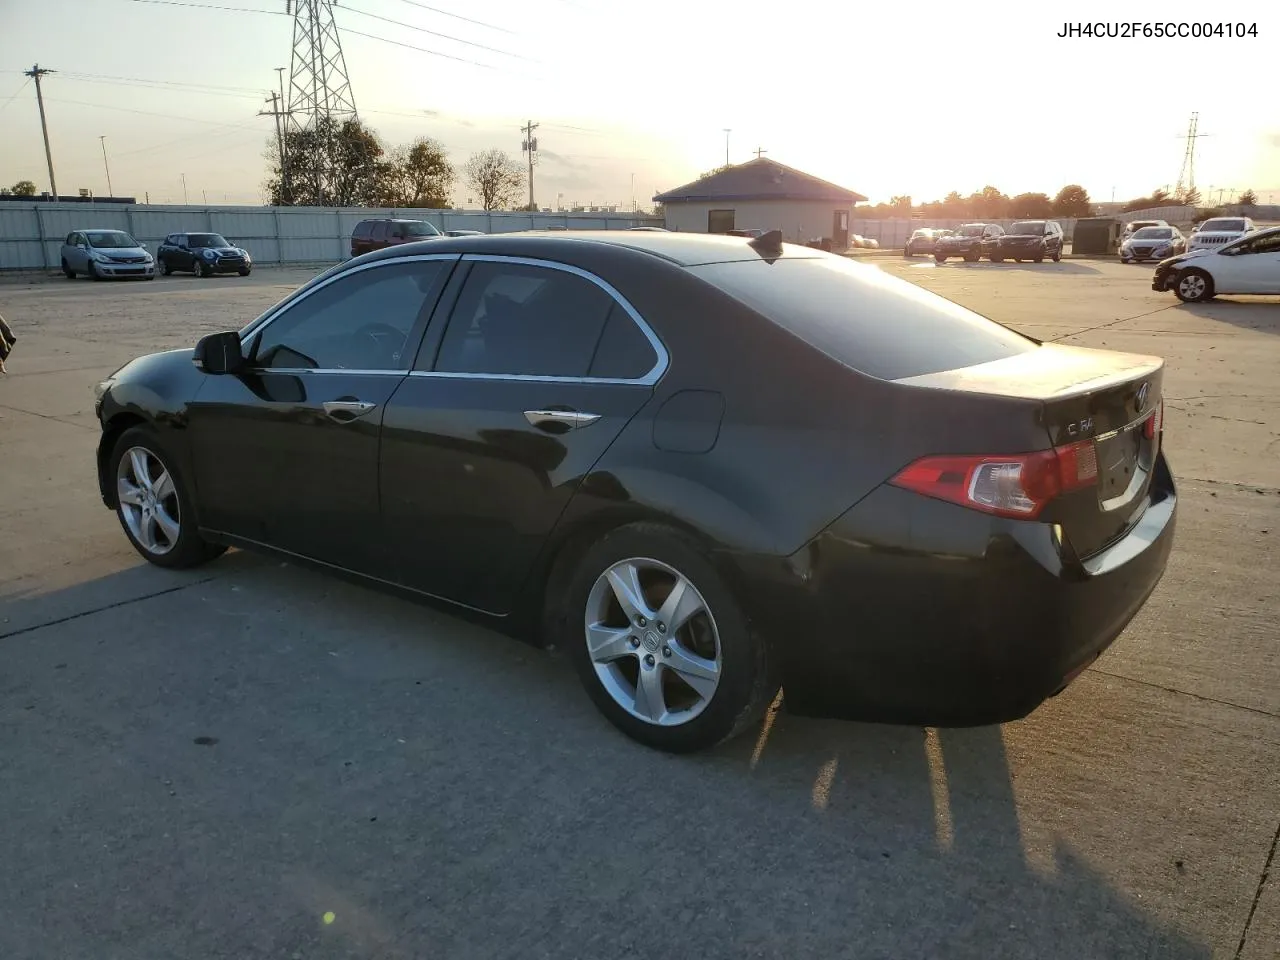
(1072, 201)
(419, 175)
(24, 188)
(495, 177)
(901, 206)
(988, 203)
(1248, 199)
(332, 164)
(1032, 205)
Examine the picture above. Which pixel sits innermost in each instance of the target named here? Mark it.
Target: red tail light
(1008, 486)
(1155, 423)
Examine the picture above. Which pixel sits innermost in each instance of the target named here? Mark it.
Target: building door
(840, 230)
(719, 221)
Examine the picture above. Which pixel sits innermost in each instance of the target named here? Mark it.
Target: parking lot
(253, 760)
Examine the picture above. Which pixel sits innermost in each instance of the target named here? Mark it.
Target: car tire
(161, 524)
(996, 258)
(626, 660)
(197, 269)
(939, 258)
(245, 273)
(1039, 259)
(165, 268)
(1194, 286)
(93, 271)
(67, 271)
(1057, 255)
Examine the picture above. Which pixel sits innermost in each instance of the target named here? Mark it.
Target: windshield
(1154, 233)
(419, 228)
(922, 233)
(1228, 226)
(1028, 228)
(970, 230)
(206, 240)
(110, 239)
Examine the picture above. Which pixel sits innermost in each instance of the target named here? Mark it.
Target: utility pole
(760, 151)
(103, 140)
(727, 131)
(184, 189)
(276, 112)
(36, 72)
(530, 146)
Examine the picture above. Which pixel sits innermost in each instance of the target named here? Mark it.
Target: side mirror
(219, 353)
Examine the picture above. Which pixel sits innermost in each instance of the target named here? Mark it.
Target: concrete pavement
(210, 764)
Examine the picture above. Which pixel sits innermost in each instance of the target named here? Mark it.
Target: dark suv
(1030, 240)
(376, 234)
(973, 241)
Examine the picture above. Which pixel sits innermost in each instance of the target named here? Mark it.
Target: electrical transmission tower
(1187, 176)
(320, 98)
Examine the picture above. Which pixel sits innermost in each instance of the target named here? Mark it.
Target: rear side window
(624, 352)
(522, 320)
(865, 318)
(379, 231)
(362, 230)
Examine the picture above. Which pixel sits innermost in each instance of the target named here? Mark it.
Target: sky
(916, 98)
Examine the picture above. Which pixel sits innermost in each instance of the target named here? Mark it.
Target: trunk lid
(1106, 404)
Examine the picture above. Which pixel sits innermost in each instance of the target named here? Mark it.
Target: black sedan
(890, 506)
(204, 254)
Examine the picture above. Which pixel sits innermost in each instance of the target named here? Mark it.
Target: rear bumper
(910, 610)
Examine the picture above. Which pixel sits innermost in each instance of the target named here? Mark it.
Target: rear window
(363, 229)
(865, 318)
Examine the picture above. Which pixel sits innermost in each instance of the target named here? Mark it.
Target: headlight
(101, 387)
(208, 254)
(100, 257)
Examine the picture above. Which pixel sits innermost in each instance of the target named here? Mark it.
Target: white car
(1214, 233)
(1248, 265)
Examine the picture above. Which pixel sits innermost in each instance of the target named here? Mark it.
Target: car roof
(685, 249)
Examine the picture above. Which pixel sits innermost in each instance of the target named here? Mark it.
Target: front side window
(516, 319)
(418, 228)
(207, 240)
(1028, 228)
(361, 321)
(1270, 243)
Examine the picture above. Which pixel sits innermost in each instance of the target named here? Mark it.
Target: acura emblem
(1142, 396)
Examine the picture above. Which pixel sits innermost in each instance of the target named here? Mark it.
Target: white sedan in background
(1248, 265)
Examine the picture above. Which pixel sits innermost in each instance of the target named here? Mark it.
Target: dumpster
(1099, 236)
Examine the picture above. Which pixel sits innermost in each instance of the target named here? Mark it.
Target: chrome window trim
(268, 318)
(662, 358)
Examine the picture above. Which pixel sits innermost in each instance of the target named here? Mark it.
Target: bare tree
(495, 177)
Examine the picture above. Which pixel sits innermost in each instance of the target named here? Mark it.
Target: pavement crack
(45, 416)
(1112, 323)
(109, 606)
(1257, 896)
(1186, 693)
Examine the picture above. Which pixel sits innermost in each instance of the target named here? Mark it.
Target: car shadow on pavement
(1065, 266)
(252, 759)
(1262, 315)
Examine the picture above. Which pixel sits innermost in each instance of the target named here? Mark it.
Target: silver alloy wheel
(148, 500)
(1192, 286)
(653, 641)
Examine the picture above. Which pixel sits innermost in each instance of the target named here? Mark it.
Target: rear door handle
(565, 418)
(344, 411)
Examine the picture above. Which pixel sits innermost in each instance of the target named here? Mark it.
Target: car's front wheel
(1194, 286)
(939, 258)
(93, 271)
(154, 504)
(67, 271)
(660, 642)
(164, 267)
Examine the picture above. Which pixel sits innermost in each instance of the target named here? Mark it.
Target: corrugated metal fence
(31, 234)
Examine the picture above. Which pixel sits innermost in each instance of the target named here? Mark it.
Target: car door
(512, 401)
(1257, 265)
(78, 252)
(286, 452)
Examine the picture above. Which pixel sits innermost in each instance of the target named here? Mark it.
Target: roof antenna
(770, 242)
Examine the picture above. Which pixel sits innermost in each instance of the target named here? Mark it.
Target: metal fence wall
(31, 234)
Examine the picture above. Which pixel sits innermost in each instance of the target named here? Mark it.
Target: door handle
(344, 411)
(565, 418)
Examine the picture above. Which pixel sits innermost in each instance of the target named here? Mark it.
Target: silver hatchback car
(106, 253)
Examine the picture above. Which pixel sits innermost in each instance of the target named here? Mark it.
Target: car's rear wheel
(154, 505)
(939, 258)
(1194, 286)
(67, 271)
(661, 644)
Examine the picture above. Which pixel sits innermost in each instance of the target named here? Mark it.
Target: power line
(146, 113)
(210, 6)
(25, 83)
(434, 33)
(410, 46)
(458, 16)
(170, 83)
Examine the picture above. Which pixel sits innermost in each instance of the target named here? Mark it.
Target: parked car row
(1249, 264)
(1034, 240)
(924, 240)
(100, 254)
